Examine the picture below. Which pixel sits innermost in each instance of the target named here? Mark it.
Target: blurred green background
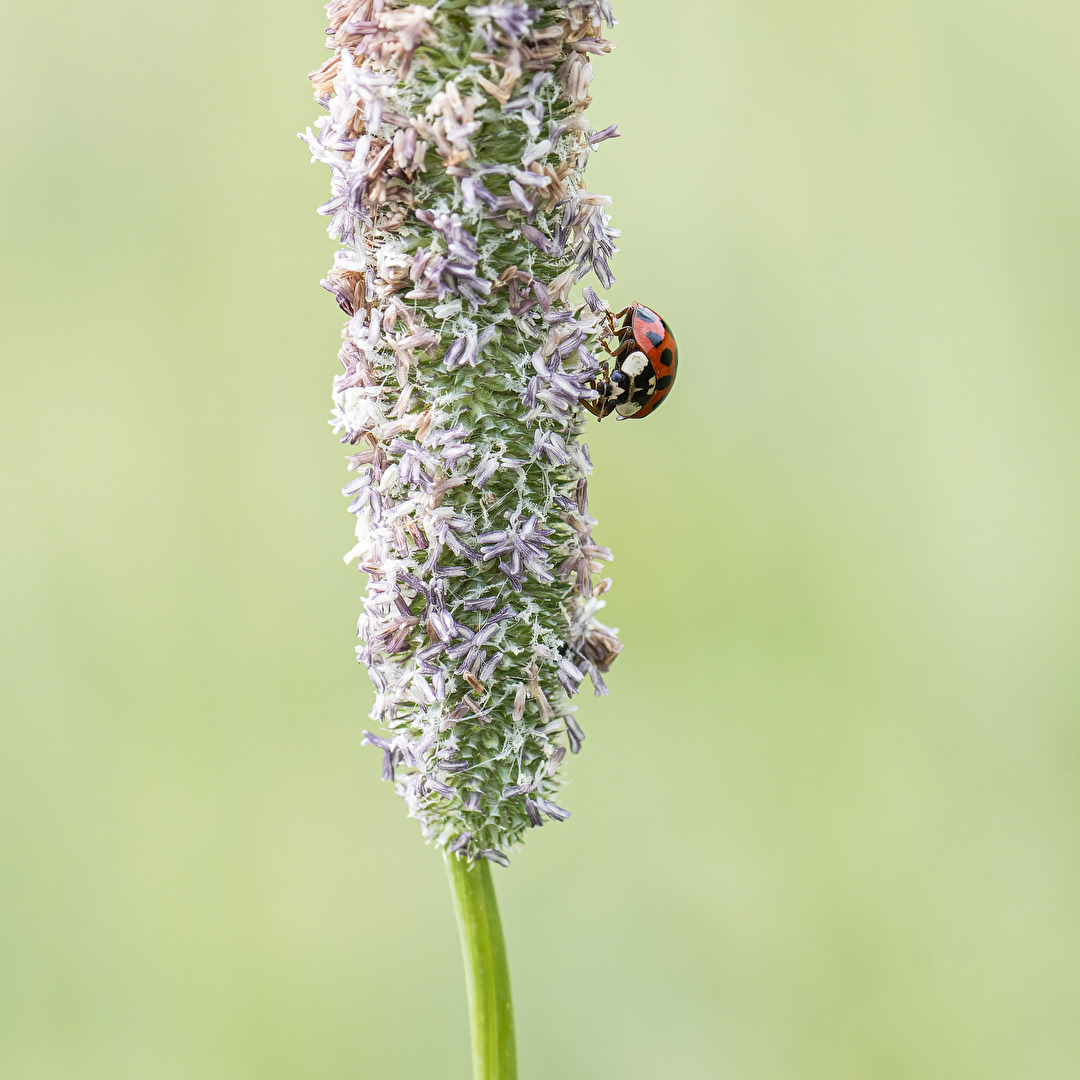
(827, 824)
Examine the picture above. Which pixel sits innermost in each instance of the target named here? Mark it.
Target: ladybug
(645, 361)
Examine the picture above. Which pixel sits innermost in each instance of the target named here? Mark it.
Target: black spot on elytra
(654, 337)
(664, 382)
(666, 358)
(646, 314)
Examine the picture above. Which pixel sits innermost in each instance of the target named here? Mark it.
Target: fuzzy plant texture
(456, 139)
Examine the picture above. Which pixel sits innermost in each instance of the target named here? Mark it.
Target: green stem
(487, 974)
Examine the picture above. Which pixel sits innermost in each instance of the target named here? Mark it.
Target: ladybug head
(603, 403)
(610, 393)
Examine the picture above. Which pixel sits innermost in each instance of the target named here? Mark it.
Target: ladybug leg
(612, 332)
(622, 335)
(600, 408)
(620, 314)
(598, 381)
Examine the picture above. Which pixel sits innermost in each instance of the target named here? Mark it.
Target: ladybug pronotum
(645, 361)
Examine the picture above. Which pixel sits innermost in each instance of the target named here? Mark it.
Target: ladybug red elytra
(645, 362)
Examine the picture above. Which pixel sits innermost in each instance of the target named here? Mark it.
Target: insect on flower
(646, 358)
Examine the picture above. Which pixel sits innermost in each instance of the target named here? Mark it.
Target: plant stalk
(487, 973)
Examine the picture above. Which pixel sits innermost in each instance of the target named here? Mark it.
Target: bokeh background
(827, 824)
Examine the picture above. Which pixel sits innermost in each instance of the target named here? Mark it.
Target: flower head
(456, 144)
